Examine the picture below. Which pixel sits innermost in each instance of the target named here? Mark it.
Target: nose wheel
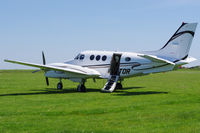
(60, 86)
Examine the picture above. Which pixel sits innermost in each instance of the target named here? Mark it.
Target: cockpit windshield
(77, 57)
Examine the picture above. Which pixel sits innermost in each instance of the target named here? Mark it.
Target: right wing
(67, 68)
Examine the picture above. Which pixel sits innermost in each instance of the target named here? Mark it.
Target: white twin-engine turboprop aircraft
(115, 66)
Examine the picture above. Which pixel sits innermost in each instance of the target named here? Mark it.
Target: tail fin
(178, 46)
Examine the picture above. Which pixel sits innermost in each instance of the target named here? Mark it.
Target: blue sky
(63, 28)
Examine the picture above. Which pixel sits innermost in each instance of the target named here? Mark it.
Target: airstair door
(114, 73)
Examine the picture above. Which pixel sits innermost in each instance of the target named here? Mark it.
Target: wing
(156, 59)
(67, 68)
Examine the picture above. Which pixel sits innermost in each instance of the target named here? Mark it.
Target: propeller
(47, 81)
(36, 71)
(44, 63)
(43, 58)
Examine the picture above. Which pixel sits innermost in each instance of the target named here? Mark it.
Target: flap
(156, 59)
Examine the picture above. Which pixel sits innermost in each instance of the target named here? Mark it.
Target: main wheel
(59, 86)
(79, 88)
(119, 86)
(83, 89)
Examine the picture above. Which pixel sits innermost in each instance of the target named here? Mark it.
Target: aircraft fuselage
(130, 64)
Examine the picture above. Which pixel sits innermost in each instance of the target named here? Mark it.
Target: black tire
(78, 88)
(119, 86)
(83, 89)
(60, 86)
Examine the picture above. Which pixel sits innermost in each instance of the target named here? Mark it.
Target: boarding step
(111, 84)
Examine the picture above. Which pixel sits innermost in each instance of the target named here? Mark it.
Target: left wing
(68, 68)
(156, 59)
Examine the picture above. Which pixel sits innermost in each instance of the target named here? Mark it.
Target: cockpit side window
(127, 59)
(82, 57)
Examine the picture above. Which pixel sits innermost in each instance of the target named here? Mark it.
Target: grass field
(166, 102)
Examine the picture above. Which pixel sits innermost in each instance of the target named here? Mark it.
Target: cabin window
(98, 57)
(104, 58)
(92, 57)
(127, 59)
(82, 57)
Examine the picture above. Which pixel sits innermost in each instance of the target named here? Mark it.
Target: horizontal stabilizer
(190, 59)
(184, 62)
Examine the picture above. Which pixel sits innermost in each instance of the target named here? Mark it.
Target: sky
(63, 28)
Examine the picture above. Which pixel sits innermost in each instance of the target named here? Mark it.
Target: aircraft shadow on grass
(121, 92)
(47, 91)
(125, 93)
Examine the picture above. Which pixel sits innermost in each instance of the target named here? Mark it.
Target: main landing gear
(60, 85)
(81, 86)
(119, 86)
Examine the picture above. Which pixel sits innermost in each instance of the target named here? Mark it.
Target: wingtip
(6, 60)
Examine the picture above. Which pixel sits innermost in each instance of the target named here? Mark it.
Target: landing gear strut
(81, 87)
(60, 85)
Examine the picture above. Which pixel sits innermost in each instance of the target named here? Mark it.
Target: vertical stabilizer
(178, 46)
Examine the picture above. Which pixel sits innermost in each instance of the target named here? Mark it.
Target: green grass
(165, 102)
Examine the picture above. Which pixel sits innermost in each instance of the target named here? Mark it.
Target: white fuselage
(130, 65)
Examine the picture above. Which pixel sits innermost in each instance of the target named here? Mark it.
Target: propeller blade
(43, 58)
(36, 71)
(47, 81)
(44, 63)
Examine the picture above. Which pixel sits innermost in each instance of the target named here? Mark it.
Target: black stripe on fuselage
(128, 64)
(108, 65)
(152, 67)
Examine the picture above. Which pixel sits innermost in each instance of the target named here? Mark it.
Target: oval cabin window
(92, 57)
(98, 57)
(127, 59)
(104, 58)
